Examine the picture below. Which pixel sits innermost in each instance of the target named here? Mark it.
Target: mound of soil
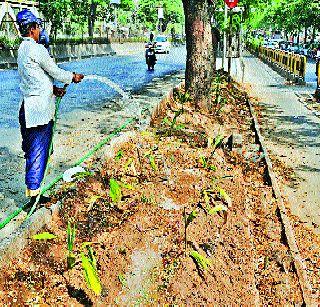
(182, 213)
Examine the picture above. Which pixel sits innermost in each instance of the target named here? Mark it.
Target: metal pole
(229, 45)
(224, 36)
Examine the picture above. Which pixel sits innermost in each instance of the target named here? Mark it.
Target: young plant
(205, 163)
(89, 265)
(71, 236)
(174, 121)
(92, 200)
(206, 195)
(202, 262)
(122, 280)
(153, 163)
(119, 155)
(130, 164)
(217, 209)
(115, 190)
(148, 200)
(44, 236)
(217, 141)
(191, 217)
(225, 197)
(82, 175)
(181, 97)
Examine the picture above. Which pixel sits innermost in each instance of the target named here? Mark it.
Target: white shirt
(37, 71)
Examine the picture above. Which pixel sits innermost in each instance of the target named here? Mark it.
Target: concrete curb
(299, 263)
(12, 246)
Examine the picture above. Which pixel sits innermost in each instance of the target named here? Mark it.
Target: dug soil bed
(181, 213)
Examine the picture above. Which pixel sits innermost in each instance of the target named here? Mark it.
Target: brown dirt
(139, 242)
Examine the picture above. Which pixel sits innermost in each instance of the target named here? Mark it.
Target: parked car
(294, 48)
(313, 50)
(305, 50)
(162, 44)
(272, 45)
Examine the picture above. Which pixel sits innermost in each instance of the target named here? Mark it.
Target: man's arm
(48, 64)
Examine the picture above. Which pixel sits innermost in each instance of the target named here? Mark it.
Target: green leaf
(166, 121)
(172, 159)
(119, 155)
(201, 261)
(153, 163)
(225, 197)
(191, 217)
(90, 274)
(180, 126)
(115, 190)
(212, 168)
(203, 161)
(128, 163)
(217, 208)
(218, 140)
(71, 235)
(44, 236)
(122, 279)
(206, 198)
(127, 186)
(81, 175)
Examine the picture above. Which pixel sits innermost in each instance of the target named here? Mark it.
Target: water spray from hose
(107, 81)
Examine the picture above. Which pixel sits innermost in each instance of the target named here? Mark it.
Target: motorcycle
(151, 57)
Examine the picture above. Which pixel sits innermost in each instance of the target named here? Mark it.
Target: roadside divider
(287, 64)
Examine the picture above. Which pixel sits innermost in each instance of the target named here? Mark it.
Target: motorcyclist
(151, 56)
(44, 40)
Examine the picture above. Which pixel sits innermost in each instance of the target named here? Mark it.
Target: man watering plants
(37, 71)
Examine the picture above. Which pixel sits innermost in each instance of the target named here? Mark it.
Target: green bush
(10, 43)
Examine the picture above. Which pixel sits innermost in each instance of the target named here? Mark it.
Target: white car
(162, 44)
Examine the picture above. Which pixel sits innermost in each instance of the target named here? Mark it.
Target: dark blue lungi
(35, 144)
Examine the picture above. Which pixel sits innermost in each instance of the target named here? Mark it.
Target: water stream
(107, 81)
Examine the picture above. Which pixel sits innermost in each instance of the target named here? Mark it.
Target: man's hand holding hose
(77, 78)
(61, 91)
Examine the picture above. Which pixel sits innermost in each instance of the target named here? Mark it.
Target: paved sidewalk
(292, 133)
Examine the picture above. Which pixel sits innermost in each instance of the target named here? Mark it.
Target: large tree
(200, 53)
(55, 12)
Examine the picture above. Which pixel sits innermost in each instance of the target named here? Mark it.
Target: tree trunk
(313, 34)
(305, 34)
(215, 43)
(200, 53)
(92, 18)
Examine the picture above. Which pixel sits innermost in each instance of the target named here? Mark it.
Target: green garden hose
(58, 178)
